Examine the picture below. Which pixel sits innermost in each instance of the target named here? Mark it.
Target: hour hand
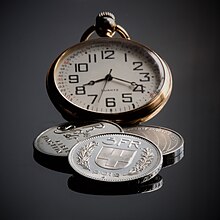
(108, 77)
(92, 82)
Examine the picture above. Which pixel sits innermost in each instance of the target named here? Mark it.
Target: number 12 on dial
(109, 78)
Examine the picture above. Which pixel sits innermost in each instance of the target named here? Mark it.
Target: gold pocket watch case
(109, 78)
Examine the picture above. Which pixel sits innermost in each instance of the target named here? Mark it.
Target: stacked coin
(170, 142)
(101, 151)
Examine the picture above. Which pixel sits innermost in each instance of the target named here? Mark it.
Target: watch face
(109, 75)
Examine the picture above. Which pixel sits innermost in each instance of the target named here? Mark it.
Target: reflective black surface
(84, 185)
(185, 33)
(56, 163)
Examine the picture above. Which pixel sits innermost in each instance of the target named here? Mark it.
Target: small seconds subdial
(109, 76)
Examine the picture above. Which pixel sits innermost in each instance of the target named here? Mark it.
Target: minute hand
(123, 80)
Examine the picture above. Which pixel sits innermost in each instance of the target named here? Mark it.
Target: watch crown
(106, 14)
(105, 24)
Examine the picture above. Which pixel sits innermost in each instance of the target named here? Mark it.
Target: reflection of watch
(109, 78)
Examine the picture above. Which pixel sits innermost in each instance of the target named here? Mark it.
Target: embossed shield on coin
(116, 157)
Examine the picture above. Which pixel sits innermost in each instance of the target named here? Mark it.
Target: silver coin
(173, 160)
(170, 142)
(116, 157)
(58, 140)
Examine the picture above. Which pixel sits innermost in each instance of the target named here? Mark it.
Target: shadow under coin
(55, 163)
(84, 185)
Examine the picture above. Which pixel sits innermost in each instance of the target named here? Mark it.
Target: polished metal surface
(116, 157)
(105, 27)
(58, 140)
(185, 33)
(133, 82)
(170, 142)
(84, 185)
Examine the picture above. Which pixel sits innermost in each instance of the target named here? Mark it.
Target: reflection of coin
(116, 157)
(81, 184)
(58, 140)
(170, 142)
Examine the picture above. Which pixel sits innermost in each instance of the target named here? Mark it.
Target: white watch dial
(109, 75)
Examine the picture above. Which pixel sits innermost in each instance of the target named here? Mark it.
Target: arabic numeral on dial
(139, 88)
(73, 78)
(92, 58)
(138, 66)
(145, 76)
(110, 102)
(107, 54)
(81, 67)
(80, 90)
(126, 97)
(94, 97)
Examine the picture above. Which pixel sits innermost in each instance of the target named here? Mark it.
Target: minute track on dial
(120, 77)
(138, 84)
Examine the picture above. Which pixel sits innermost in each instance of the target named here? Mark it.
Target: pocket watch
(111, 78)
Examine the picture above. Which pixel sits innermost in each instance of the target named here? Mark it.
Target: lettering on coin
(71, 132)
(104, 174)
(122, 141)
(57, 145)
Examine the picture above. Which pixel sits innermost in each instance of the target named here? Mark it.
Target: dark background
(185, 33)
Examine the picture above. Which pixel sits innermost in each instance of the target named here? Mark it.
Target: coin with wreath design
(116, 157)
